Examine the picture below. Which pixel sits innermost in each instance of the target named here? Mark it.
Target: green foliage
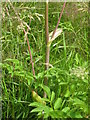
(67, 90)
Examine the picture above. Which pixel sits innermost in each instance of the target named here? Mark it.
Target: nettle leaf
(47, 90)
(57, 103)
(57, 33)
(52, 96)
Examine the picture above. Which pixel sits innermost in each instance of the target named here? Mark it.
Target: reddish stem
(58, 20)
(30, 52)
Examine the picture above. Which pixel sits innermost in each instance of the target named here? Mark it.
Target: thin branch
(59, 20)
(47, 48)
(30, 53)
(29, 49)
(25, 36)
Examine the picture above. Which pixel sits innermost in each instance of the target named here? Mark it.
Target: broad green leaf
(52, 96)
(57, 103)
(47, 90)
(57, 33)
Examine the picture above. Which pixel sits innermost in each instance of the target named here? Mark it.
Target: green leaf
(63, 83)
(52, 96)
(72, 88)
(74, 114)
(46, 115)
(67, 93)
(81, 104)
(38, 109)
(45, 109)
(47, 90)
(66, 109)
(57, 33)
(37, 98)
(29, 82)
(15, 61)
(56, 114)
(46, 99)
(36, 104)
(57, 103)
(78, 115)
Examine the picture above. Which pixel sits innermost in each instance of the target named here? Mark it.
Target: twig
(29, 49)
(58, 20)
(30, 53)
(25, 36)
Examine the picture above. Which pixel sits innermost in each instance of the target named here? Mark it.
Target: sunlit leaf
(67, 93)
(52, 96)
(37, 97)
(47, 90)
(66, 109)
(57, 103)
(57, 33)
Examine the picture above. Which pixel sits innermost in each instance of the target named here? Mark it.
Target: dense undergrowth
(67, 90)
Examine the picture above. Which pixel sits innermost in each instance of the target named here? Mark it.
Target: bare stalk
(47, 48)
(58, 20)
(30, 53)
(47, 39)
(25, 36)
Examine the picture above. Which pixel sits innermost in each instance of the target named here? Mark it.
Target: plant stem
(30, 53)
(47, 39)
(47, 48)
(25, 35)
(58, 20)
